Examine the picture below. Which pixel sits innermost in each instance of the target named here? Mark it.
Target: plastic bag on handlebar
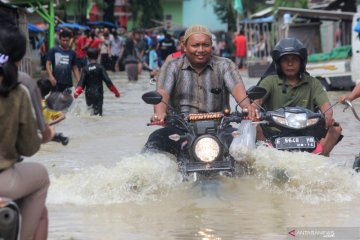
(242, 145)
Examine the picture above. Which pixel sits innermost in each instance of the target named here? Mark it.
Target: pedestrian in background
(105, 51)
(116, 49)
(240, 49)
(61, 62)
(91, 80)
(180, 48)
(167, 46)
(141, 47)
(81, 42)
(131, 60)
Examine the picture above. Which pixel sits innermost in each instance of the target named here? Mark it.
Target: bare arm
(49, 72)
(353, 95)
(328, 112)
(160, 109)
(48, 133)
(240, 96)
(57, 120)
(76, 73)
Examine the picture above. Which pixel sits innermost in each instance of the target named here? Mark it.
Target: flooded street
(102, 188)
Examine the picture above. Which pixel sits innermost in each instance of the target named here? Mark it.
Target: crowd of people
(149, 49)
(120, 50)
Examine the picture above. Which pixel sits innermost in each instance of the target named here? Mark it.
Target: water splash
(133, 179)
(308, 177)
(79, 108)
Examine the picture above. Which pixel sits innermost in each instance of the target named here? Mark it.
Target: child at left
(51, 117)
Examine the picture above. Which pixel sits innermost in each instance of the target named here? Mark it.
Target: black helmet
(288, 46)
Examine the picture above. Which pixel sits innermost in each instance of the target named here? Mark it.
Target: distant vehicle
(338, 68)
(340, 73)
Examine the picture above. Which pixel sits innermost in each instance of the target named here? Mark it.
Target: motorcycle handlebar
(233, 117)
(349, 104)
(156, 123)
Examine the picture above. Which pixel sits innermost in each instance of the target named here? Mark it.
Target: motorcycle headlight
(295, 120)
(206, 148)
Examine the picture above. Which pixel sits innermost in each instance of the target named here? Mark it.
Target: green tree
(143, 11)
(108, 10)
(225, 12)
(224, 9)
(293, 4)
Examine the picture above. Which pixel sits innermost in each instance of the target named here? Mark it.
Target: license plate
(295, 142)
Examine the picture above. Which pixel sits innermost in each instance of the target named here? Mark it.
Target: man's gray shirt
(191, 92)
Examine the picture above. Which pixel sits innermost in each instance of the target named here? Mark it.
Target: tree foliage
(109, 10)
(225, 12)
(224, 9)
(143, 11)
(293, 4)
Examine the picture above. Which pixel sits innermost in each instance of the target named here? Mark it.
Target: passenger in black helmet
(290, 85)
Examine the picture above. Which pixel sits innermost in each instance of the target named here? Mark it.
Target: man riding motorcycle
(292, 86)
(197, 82)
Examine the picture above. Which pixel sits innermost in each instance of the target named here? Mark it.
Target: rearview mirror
(152, 97)
(256, 92)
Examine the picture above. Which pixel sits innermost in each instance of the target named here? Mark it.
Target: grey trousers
(132, 71)
(27, 182)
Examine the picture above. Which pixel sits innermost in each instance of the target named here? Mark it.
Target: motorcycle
(206, 138)
(294, 129)
(10, 220)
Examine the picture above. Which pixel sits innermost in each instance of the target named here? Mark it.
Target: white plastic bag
(241, 145)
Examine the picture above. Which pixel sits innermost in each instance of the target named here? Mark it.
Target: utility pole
(48, 16)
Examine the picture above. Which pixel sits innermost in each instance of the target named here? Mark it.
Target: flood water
(102, 188)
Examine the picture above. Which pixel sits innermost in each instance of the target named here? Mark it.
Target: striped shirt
(191, 92)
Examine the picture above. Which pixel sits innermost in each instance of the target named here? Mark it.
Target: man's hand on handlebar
(329, 121)
(158, 117)
(253, 112)
(342, 99)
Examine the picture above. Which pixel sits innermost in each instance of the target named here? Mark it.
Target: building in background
(188, 12)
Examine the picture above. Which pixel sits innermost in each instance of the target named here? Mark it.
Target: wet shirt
(62, 62)
(92, 78)
(308, 93)
(191, 92)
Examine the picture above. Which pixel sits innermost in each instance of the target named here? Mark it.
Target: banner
(238, 6)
